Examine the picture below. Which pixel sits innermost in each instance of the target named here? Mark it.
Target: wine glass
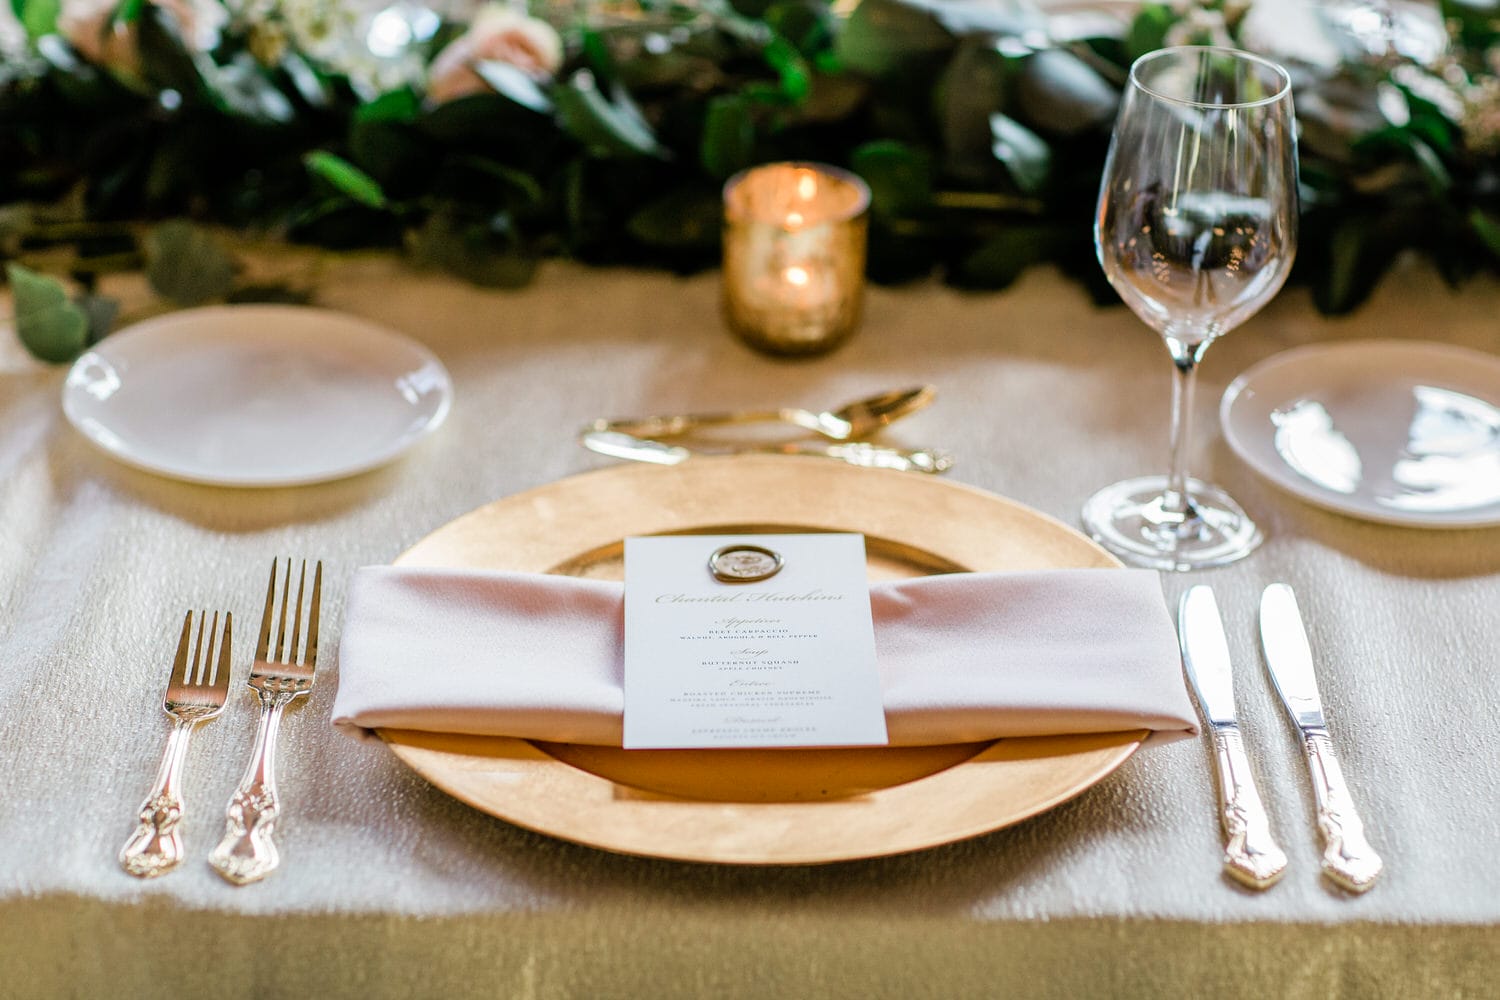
(1196, 229)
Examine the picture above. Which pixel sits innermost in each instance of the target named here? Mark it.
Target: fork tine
(312, 622)
(221, 669)
(179, 664)
(280, 647)
(291, 656)
(261, 651)
(206, 652)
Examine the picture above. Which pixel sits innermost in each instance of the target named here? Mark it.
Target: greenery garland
(481, 145)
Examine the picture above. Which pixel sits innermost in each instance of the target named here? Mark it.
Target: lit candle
(794, 256)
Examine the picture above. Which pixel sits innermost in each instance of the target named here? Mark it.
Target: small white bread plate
(1402, 432)
(256, 395)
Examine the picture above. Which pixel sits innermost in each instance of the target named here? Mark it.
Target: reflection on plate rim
(1290, 481)
(187, 472)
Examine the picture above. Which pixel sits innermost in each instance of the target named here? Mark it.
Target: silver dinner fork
(195, 692)
(282, 672)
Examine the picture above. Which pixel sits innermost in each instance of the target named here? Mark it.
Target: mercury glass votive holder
(794, 256)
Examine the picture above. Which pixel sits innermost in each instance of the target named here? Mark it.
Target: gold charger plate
(759, 806)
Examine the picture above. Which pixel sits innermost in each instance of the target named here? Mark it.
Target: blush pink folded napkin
(962, 657)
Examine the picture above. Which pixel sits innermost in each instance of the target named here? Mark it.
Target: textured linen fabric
(962, 657)
(388, 887)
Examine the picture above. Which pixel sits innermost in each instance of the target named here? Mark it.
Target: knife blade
(1251, 855)
(618, 444)
(1348, 859)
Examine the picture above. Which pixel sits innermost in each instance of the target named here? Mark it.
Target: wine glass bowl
(1196, 230)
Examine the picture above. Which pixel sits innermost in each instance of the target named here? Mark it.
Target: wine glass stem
(1185, 360)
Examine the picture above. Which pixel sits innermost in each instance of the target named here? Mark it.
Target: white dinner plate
(1396, 431)
(256, 395)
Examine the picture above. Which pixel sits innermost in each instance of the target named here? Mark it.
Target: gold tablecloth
(390, 888)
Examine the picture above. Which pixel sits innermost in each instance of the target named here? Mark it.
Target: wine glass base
(1131, 519)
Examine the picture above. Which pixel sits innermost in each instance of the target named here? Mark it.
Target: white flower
(497, 34)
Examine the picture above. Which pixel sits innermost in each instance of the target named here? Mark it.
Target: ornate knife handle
(1250, 854)
(247, 853)
(155, 847)
(1348, 859)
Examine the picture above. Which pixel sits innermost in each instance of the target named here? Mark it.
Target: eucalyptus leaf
(972, 88)
(1357, 256)
(38, 17)
(1026, 155)
(806, 24)
(511, 82)
(900, 177)
(1148, 29)
(478, 251)
(681, 220)
(346, 178)
(52, 328)
(393, 106)
(1001, 259)
(728, 136)
(606, 126)
(882, 36)
(791, 68)
(187, 264)
(100, 312)
(1060, 93)
(1487, 229)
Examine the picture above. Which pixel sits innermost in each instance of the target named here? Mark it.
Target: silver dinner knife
(618, 444)
(1348, 859)
(1250, 853)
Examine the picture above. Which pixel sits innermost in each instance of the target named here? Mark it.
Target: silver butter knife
(1348, 859)
(1250, 853)
(618, 444)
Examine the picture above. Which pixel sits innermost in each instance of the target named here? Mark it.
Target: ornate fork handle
(1251, 855)
(155, 847)
(1348, 859)
(247, 852)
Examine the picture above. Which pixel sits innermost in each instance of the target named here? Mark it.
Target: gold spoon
(849, 422)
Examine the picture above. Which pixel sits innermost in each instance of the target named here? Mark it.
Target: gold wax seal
(740, 563)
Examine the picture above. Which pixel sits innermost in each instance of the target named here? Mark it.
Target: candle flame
(794, 219)
(796, 276)
(807, 185)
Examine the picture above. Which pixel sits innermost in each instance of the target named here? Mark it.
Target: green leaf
(100, 311)
(1001, 259)
(346, 178)
(681, 220)
(482, 252)
(48, 325)
(728, 136)
(900, 177)
(511, 82)
(129, 11)
(1487, 229)
(1060, 93)
(883, 36)
(1025, 154)
(1148, 29)
(606, 126)
(974, 85)
(39, 17)
(807, 25)
(401, 105)
(791, 68)
(1357, 255)
(528, 193)
(187, 264)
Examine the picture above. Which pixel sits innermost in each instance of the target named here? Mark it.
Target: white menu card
(749, 641)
